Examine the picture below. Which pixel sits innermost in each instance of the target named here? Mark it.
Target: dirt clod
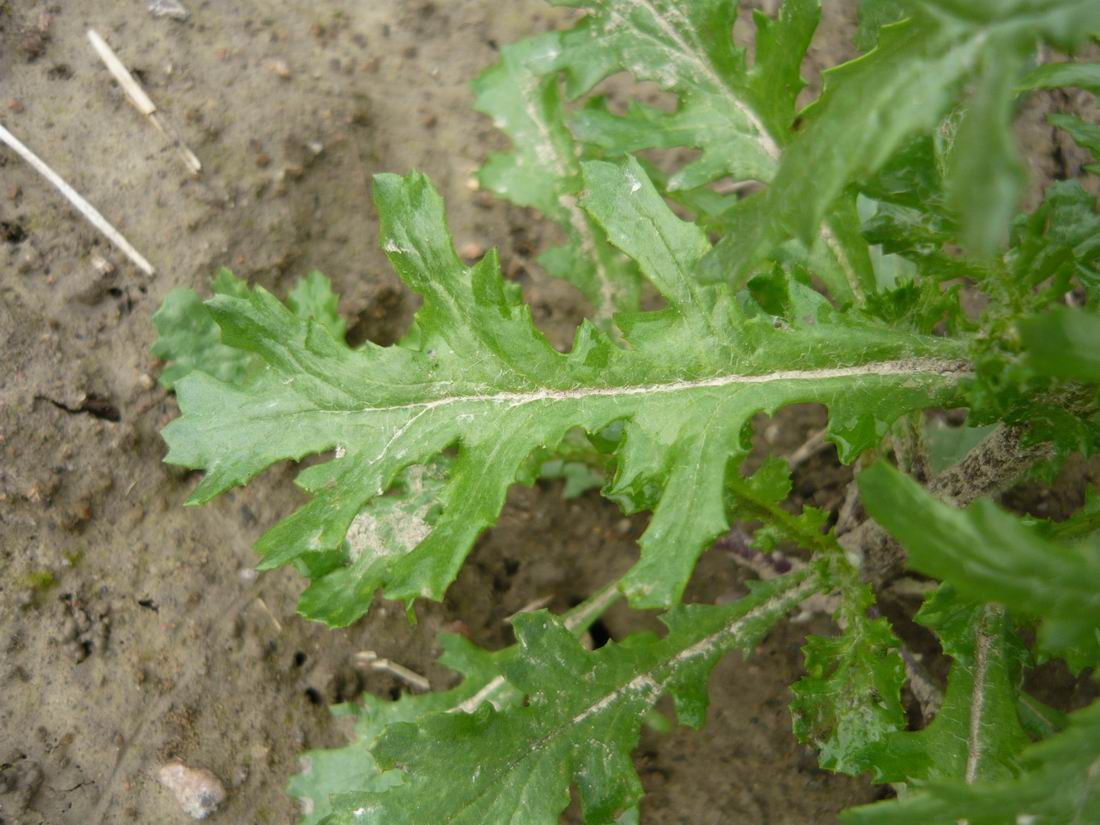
(198, 791)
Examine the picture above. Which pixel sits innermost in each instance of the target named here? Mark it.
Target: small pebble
(102, 265)
(168, 8)
(280, 68)
(198, 791)
(471, 250)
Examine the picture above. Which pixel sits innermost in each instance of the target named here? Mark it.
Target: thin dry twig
(534, 604)
(925, 690)
(372, 661)
(140, 100)
(79, 203)
(810, 447)
(267, 610)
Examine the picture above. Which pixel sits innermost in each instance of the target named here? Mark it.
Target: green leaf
(1038, 719)
(579, 723)
(1059, 241)
(850, 698)
(1064, 343)
(873, 15)
(521, 94)
(384, 531)
(987, 173)
(976, 735)
(732, 114)
(485, 379)
(872, 105)
(739, 118)
(579, 477)
(760, 497)
(333, 772)
(947, 445)
(312, 297)
(189, 339)
(1056, 786)
(344, 580)
(1082, 523)
(1058, 75)
(1084, 134)
(993, 556)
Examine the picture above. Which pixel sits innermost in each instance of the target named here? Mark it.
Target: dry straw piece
(82, 206)
(140, 100)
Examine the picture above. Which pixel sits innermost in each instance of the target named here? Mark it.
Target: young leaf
(579, 725)
(543, 171)
(189, 339)
(873, 15)
(579, 478)
(1082, 523)
(1056, 786)
(990, 555)
(483, 377)
(740, 118)
(1063, 343)
(1059, 241)
(312, 297)
(759, 498)
(850, 698)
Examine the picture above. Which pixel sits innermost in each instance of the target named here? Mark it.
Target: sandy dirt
(133, 631)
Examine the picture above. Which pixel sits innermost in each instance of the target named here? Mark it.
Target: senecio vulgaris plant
(837, 278)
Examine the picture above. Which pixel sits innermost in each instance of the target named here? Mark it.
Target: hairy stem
(995, 464)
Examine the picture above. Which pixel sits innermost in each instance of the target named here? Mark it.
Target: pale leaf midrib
(926, 367)
(982, 643)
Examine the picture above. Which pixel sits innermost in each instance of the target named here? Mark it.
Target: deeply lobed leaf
(543, 171)
(976, 734)
(485, 379)
(578, 726)
(849, 701)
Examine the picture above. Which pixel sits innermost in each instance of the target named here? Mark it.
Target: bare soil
(134, 631)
